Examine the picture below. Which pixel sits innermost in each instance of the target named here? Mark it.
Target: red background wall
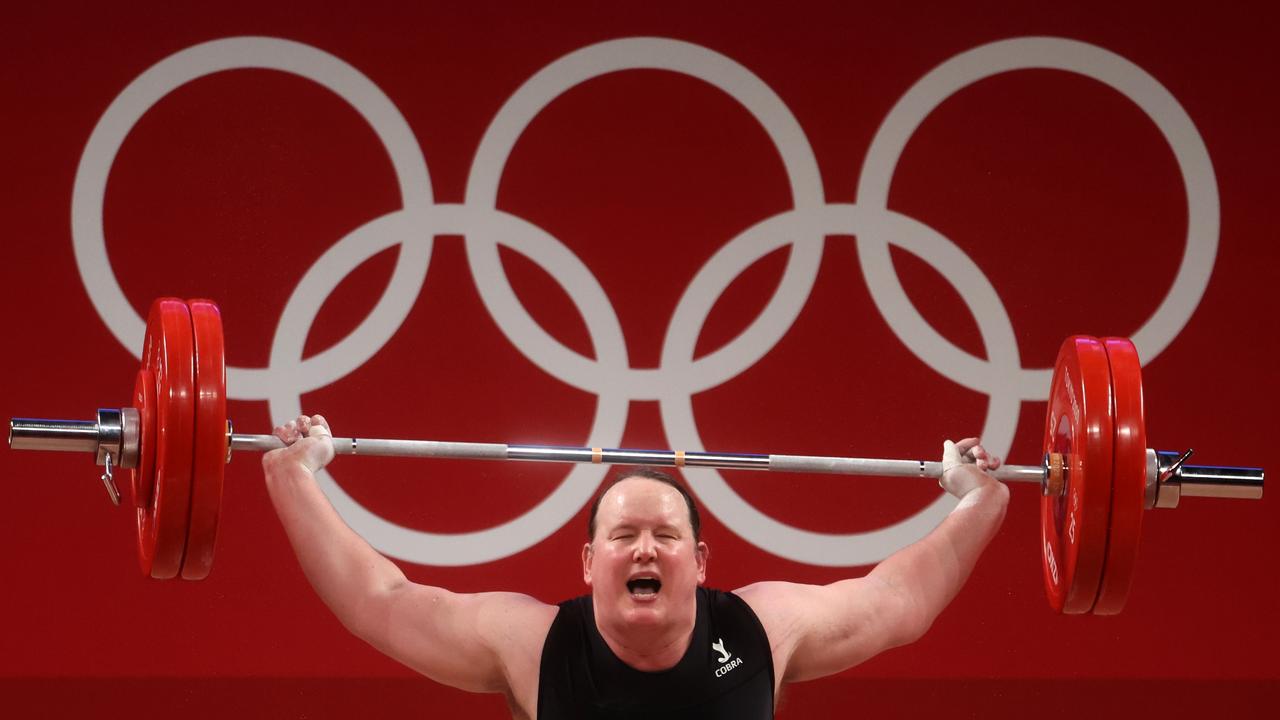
(1059, 189)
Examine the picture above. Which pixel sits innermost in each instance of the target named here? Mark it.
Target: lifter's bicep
(476, 642)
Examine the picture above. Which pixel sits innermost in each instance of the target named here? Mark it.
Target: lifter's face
(643, 564)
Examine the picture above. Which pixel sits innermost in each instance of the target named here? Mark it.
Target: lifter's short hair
(643, 471)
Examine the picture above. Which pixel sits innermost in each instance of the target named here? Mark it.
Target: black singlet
(727, 672)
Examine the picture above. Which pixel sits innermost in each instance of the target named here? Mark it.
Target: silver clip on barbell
(114, 437)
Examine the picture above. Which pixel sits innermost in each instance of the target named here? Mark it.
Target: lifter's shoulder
(791, 614)
(506, 618)
(479, 642)
(515, 627)
(774, 598)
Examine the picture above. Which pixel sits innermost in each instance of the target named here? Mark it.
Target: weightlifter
(648, 640)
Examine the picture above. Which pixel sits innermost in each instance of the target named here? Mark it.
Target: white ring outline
(758, 528)
(89, 190)
(593, 61)
(553, 511)
(1072, 56)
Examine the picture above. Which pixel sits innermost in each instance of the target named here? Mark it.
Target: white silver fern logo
(719, 647)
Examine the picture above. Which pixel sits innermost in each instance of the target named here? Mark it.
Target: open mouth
(644, 587)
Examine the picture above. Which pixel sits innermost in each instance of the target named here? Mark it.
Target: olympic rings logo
(679, 376)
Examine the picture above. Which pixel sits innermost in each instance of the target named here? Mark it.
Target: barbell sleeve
(55, 435)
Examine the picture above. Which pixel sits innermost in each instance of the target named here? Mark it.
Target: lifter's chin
(644, 611)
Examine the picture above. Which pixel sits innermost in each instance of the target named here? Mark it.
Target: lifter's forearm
(931, 571)
(344, 570)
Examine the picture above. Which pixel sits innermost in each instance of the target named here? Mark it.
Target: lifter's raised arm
(474, 642)
(930, 573)
(820, 630)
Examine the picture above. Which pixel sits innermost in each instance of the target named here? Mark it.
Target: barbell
(1096, 476)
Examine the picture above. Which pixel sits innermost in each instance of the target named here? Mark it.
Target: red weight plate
(144, 473)
(1129, 477)
(168, 354)
(210, 439)
(1079, 426)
